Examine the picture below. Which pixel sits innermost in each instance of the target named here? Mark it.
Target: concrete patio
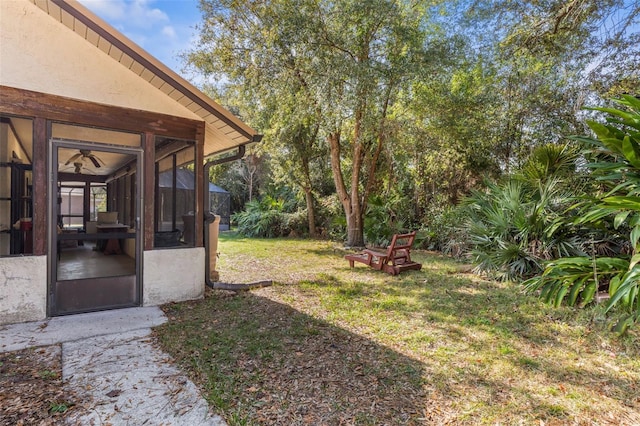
(110, 358)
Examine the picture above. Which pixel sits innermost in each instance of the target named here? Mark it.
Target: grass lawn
(331, 345)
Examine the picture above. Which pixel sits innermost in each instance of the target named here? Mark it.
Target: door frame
(52, 214)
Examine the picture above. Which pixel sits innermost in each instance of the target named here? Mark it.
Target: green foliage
(450, 146)
(262, 218)
(550, 160)
(381, 221)
(271, 217)
(297, 223)
(58, 407)
(615, 163)
(444, 231)
(432, 97)
(517, 225)
(575, 280)
(242, 178)
(514, 229)
(309, 72)
(47, 374)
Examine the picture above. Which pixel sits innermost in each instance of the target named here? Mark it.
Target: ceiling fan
(78, 160)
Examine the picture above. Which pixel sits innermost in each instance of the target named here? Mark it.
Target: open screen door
(95, 221)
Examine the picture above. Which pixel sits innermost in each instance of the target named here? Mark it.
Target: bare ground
(31, 390)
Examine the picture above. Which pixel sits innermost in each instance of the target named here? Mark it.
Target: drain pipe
(210, 218)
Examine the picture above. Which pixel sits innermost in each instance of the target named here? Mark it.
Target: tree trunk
(308, 193)
(250, 186)
(350, 202)
(355, 235)
(311, 213)
(250, 173)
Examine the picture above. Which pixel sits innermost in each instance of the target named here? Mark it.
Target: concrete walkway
(109, 357)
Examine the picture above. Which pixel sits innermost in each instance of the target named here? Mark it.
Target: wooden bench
(396, 259)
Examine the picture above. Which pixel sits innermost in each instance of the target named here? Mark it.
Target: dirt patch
(31, 390)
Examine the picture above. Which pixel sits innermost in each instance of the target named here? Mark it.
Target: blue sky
(163, 28)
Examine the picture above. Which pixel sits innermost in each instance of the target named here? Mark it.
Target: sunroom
(96, 141)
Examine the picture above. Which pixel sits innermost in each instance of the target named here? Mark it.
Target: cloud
(141, 14)
(137, 13)
(107, 9)
(163, 28)
(169, 31)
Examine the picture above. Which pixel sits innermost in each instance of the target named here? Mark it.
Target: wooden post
(40, 186)
(201, 185)
(149, 157)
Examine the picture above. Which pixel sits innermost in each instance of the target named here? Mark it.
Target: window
(16, 182)
(175, 193)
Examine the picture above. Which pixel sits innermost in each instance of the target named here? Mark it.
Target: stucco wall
(169, 276)
(38, 53)
(173, 275)
(23, 289)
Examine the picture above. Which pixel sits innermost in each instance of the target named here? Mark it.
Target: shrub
(297, 223)
(381, 222)
(615, 165)
(262, 218)
(444, 231)
(514, 230)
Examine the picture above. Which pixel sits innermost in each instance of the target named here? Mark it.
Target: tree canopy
(407, 106)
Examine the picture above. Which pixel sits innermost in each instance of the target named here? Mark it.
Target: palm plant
(550, 161)
(513, 228)
(382, 220)
(516, 226)
(262, 218)
(615, 165)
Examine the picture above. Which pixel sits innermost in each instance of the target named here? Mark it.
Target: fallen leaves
(31, 390)
(114, 393)
(306, 370)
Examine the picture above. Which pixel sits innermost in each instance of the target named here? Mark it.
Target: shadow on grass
(442, 348)
(263, 362)
(484, 342)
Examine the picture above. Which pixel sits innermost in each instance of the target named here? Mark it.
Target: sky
(164, 28)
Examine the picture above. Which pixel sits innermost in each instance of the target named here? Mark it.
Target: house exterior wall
(169, 276)
(23, 289)
(173, 275)
(40, 54)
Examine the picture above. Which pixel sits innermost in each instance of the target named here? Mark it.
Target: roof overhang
(225, 131)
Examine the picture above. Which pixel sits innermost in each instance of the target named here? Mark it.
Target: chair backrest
(400, 242)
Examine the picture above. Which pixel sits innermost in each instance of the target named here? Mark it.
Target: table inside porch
(112, 245)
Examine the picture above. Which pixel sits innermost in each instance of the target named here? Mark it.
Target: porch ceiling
(227, 130)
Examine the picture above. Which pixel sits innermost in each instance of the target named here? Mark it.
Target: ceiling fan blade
(72, 159)
(94, 161)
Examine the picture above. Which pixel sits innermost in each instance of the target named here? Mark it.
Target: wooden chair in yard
(396, 259)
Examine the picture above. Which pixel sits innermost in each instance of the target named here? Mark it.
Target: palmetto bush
(514, 227)
(262, 218)
(382, 220)
(615, 164)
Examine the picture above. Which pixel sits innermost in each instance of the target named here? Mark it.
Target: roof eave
(110, 34)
